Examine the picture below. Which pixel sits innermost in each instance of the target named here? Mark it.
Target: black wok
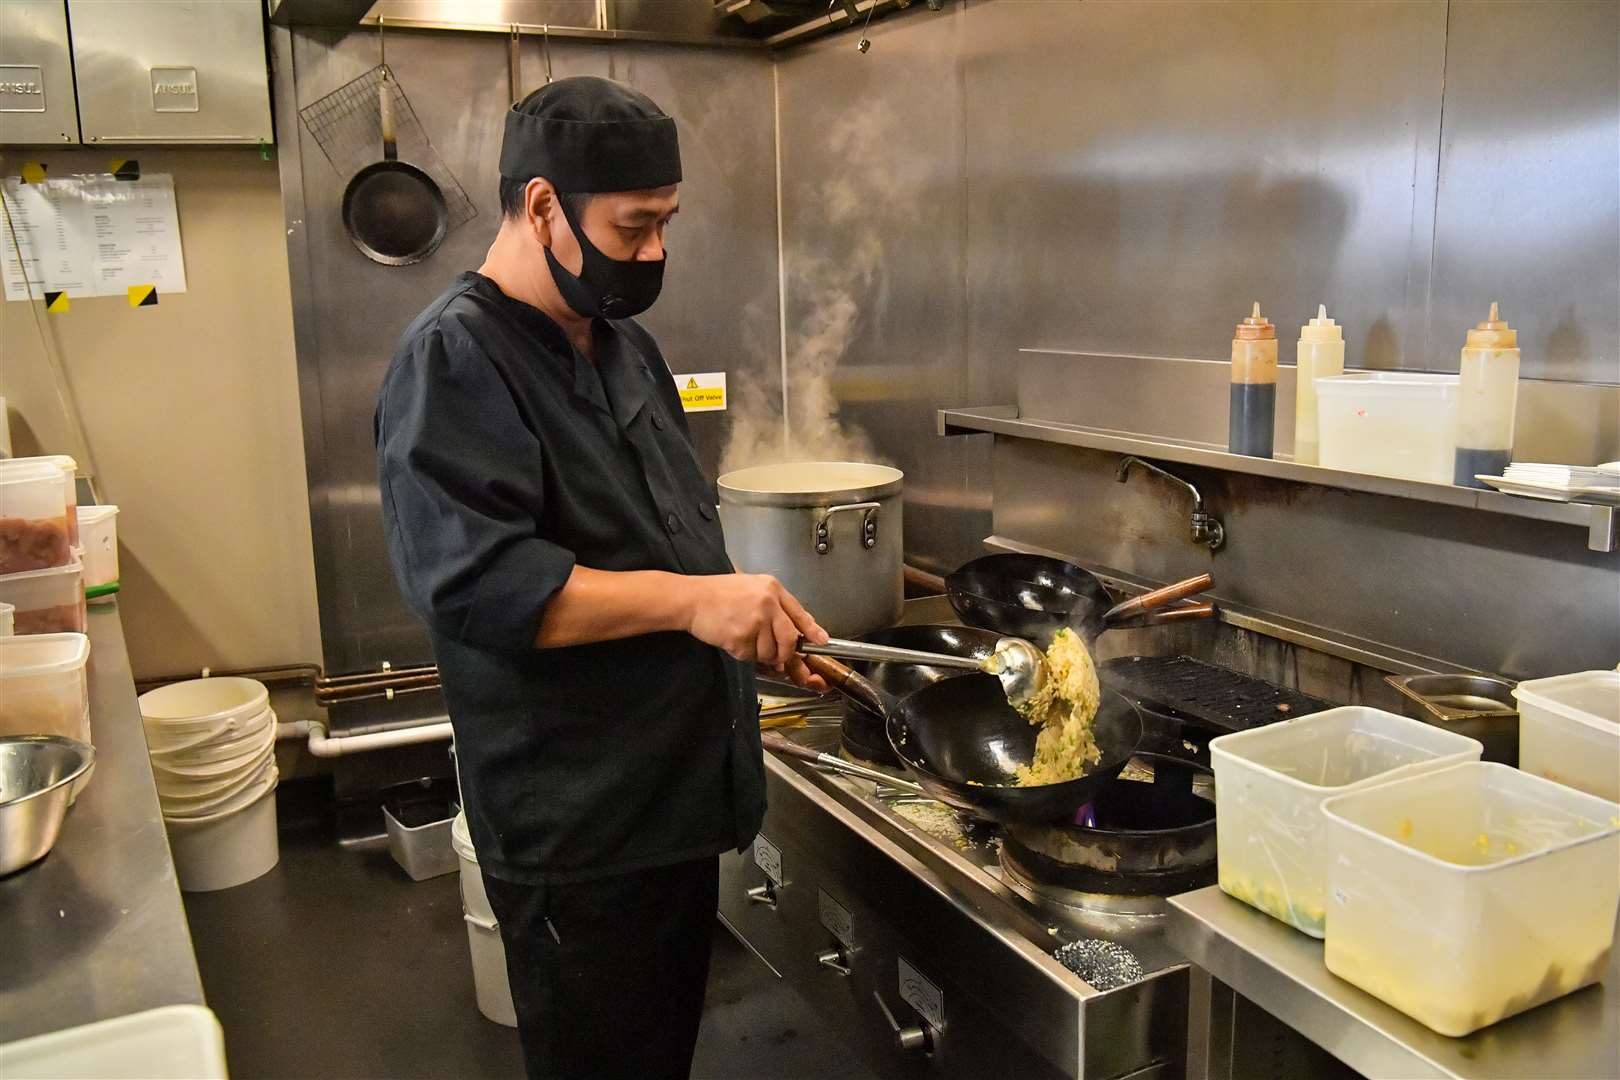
(961, 741)
(1033, 597)
(863, 730)
(393, 211)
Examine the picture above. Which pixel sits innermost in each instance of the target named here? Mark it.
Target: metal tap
(1206, 527)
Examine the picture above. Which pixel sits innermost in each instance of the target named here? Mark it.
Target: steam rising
(831, 290)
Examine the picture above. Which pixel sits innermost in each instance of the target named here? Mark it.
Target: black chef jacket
(505, 458)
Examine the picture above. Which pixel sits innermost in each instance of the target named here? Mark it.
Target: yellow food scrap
(1512, 848)
(1482, 842)
(1064, 707)
(1403, 828)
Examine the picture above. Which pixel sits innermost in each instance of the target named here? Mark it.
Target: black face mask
(606, 288)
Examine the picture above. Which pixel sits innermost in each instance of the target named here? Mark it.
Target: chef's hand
(754, 619)
(800, 674)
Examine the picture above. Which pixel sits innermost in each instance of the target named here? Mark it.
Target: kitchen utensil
(781, 744)
(1033, 597)
(36, 779)
(830, 531)
(1017, 665)
(962, 742)
(393, 211)
(863, 728)
(1477, 706)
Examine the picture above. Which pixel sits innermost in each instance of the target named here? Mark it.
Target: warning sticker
(702, 392)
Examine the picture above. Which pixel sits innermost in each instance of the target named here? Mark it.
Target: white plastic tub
(98, 536)
(228, 848)
(1270, 783)
(175, 1042)
(43, 688)
(490, 982)
(1569, 730)
(34, 517)
(7, 620)
(197, 710)
(1389, 424)
(46, 601)
(1466, 895)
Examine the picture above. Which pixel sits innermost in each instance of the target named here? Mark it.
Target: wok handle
(1203, 610)
(385, 110)
(783, 745)
(886, 654)
(1158, 598)
(848, 683)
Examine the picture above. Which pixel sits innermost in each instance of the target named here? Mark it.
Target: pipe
(323, 745)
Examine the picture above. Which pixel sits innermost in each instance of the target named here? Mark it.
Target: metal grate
(347, 124)
(1205, 694)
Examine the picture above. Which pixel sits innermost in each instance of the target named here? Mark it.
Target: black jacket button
(706, 510)
(658, 421)
(673, 524)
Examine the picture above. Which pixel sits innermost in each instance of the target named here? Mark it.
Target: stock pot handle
(822, 537)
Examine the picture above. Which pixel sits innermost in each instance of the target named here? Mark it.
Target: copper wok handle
(1148, 601)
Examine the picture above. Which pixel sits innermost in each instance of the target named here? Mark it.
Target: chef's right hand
(752, 617)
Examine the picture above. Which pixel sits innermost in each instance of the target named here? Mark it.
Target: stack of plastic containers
(213, 749)
(43, 688)
(40, 573)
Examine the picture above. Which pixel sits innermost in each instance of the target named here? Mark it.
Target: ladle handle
(1148, 601)
(848, 683)
(887, 654)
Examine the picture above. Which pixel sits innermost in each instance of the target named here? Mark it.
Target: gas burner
(1136, 839)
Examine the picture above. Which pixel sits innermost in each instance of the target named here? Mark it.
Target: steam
(831, 289)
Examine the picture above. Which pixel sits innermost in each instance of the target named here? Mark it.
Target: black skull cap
(587, 134)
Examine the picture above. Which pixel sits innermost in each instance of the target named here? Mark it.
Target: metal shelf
(1599, 521)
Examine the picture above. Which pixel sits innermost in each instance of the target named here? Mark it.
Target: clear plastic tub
(1389, 424)
(7, 620)
(35, 531)
(98, 536)
(1469, 894)
(1569, 730)
(43, 687)
(1271, 781)
(47, 601)
(175, 1042)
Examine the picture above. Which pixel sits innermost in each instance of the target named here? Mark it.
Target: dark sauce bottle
(1252, 414)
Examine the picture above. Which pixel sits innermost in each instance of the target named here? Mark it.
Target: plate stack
(1563, 483)
(213, 749)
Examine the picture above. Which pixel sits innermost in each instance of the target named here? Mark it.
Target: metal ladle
(1018, 664)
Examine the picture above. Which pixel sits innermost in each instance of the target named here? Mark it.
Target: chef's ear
(539, 203)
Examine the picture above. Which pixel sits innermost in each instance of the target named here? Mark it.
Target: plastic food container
(35, 528)
(7, 619)
(1389, 424)
(43, 688)
(488, 951)
(417, 816)
(1569, 730)
(1466, 895)
(175, 1042)
(46, 601)
(98, 536)
(1271, 782)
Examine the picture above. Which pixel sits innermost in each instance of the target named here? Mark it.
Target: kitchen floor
(335, 964)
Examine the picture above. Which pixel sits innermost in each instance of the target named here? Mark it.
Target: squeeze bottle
(1321, 355)
(1252, 413)
(1490, 397)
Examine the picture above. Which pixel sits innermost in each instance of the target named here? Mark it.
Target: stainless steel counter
(97, 929)
(1282, 972)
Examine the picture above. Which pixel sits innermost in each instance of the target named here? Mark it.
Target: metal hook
(864, 44)
(545, 44)
(382, 43)
(514, 65)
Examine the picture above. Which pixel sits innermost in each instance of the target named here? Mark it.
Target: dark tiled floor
(335, 964)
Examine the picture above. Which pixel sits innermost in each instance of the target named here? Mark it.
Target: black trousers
(608, 975)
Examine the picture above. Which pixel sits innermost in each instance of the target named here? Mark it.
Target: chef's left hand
(800, 675)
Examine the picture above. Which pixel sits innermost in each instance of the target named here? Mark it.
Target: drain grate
(1205, 694)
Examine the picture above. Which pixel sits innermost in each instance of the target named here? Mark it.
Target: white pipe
(323, 745)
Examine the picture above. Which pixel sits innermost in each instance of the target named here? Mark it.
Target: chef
(547, 517)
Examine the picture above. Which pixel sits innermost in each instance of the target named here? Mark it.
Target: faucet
(1206, 528)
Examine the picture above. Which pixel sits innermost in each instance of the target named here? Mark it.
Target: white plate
(1596, 496)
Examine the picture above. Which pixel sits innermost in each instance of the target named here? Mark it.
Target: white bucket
(493, 989)
(180, 714)
(227, 848)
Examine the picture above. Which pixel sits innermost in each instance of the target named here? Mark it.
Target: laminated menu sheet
(90, 235)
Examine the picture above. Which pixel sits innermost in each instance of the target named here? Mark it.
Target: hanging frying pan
(1033, 597)
(962, 742)
(393, 211)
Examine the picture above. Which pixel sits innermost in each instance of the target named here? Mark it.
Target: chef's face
(624, 225)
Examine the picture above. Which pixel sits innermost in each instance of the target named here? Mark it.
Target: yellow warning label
(704, 392)
(143, 296)
(33, 172)
(57, 302)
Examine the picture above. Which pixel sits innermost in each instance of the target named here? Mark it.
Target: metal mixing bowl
(36, 778)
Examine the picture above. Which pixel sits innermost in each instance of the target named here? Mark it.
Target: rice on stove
(1064, 707)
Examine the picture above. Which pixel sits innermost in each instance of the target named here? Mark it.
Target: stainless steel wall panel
(874, 216)
(720, 294)
(1529, 206)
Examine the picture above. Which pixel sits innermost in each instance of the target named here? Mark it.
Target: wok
(962, 742)
(393, 211)
(1033, 597)
(863, 725)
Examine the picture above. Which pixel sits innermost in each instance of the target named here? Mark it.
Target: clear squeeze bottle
(1252, 414)
(1490, 396)
(1321, 355)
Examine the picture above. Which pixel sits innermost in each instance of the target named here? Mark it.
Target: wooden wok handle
(847, 682)
(784, 745)
(1158, 598)
(1175, 614)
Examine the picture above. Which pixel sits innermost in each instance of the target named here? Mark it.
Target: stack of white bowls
(213, 748)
